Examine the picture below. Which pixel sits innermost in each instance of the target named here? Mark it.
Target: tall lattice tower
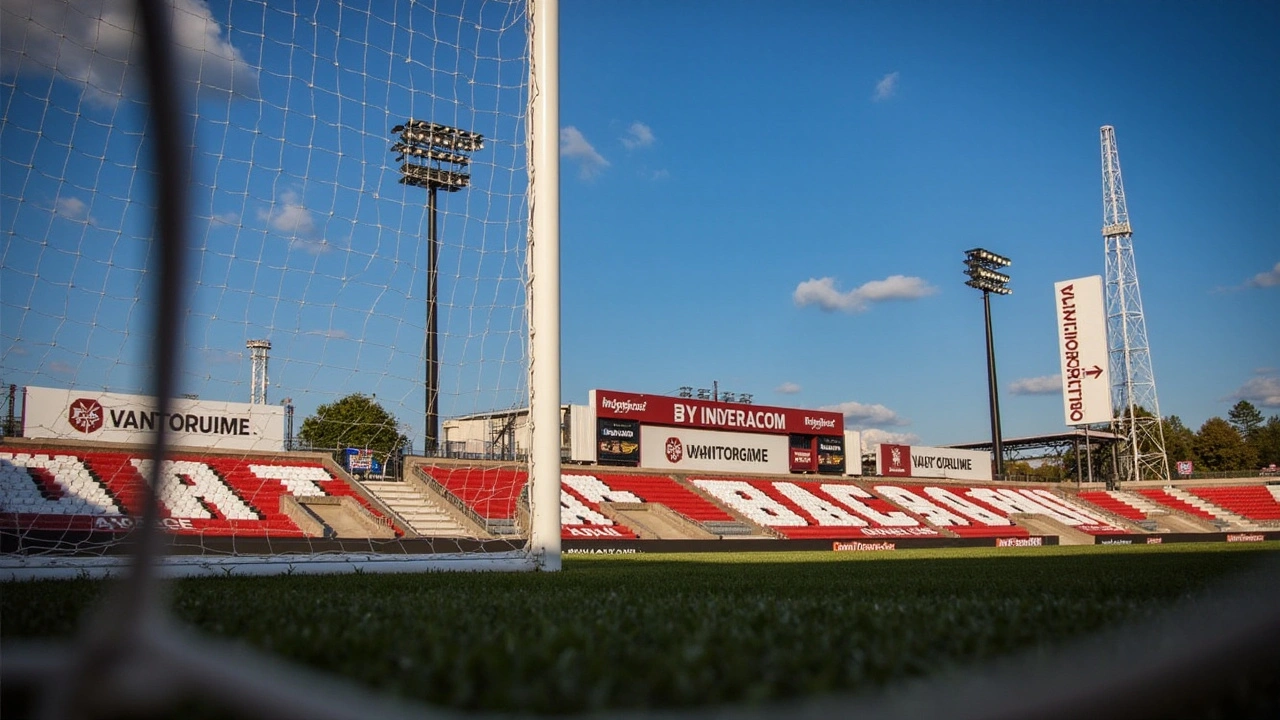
(258, 382)
(1142, 456)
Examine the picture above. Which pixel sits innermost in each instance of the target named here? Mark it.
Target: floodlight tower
(438, 150)
(981, 268)
(258, 374)
(1134, 385)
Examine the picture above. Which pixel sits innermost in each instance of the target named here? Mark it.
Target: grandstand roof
(1053, 442)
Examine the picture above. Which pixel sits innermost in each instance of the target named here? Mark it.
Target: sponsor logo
(125, 523)
(899, 532)
(934, 462)
(1020, 542)
(819, 423)
(595, 532)
(674, 450)
(1245, 537)
(86, 415)
(895, 457)
(1116, 541)
(1155, 540)
(724, 452)
(623, 407)
(839, 546)
(600, 551)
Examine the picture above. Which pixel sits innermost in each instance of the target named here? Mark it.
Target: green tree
(1179, 443)
(1245, 418)
(353, 421)
(1220, 447)
(1266, 442)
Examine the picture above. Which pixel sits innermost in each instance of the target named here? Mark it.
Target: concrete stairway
(423, 516)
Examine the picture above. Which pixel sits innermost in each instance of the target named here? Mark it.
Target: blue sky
(776, 197)
(866, 141)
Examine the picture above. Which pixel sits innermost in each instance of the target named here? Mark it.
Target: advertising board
(361, 460)
(1082, 350)
(618, 442)
(57, 414)
(932, 462)
(831, 455)
(711, 415)
(682, 449)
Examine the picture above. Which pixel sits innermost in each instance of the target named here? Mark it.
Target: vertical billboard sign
(831, 455)
(894, 460)
(619, 442)
(803, 459)
(1082, 350)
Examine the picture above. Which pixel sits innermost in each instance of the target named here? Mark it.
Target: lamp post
(431, 156)
(981, 268)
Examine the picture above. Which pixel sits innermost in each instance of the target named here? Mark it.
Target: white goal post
(368, 219)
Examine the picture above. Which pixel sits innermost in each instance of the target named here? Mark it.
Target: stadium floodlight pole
(981, 267)
(437, 152)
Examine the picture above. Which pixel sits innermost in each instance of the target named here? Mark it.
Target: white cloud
(1270, 278)
(824, 293)
(859, 415)
(330, 334)
(1043, 385)
(95, 43)
(574, 146)
(638, 135)
(787, 388)
(886, 88)
(289, 215)
(875, 436)
(58, 367)
(216, 356)
(1263, 390)
(72, 207)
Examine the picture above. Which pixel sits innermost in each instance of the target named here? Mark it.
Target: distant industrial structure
(258, 350)
(1142, 453)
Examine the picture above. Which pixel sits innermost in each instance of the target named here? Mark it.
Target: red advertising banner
(694, 413)
(895, 460)
(803, 460)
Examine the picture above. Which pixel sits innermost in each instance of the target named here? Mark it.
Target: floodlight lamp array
(979, 273)
(421, 132)
(986, 258)
(439, 145)
(981, 268)
(989, 287)
(429, 153)
(433, 177)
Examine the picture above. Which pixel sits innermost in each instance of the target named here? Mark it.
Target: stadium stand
(1117, 503)
(656, 506)
(1252, 502)
(1166, 498)
(944, 507)
(200, 495)
(832, 510)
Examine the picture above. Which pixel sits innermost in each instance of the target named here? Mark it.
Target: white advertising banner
(1082, 350)
(680, 449)
(120, 418)
(917, 461)
(852, 452)
(582, 433)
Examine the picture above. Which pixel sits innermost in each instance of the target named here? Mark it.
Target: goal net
(365, 363)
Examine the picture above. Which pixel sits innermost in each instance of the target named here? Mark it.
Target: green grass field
(645, 631)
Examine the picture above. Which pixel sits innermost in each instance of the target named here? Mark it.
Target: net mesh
(304, 355)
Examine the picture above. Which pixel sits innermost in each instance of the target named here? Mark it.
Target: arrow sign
(1082, 350)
